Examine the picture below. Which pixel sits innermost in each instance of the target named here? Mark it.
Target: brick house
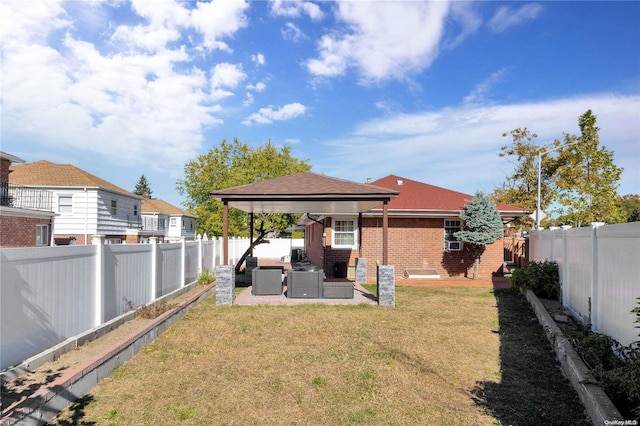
(166, 221)
(84, 204)
(26, 215)
(421, 224)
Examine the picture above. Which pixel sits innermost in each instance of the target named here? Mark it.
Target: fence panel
(618, 277)
(579, 273)
(191, 262)
(46, 296)
(169, 278)
(127, 274)
(600, 274)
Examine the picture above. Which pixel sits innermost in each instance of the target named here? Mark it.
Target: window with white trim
(451, 243)
(344, 234)
(42, 235)
(65, 204)
(173, 222)
(114, 208)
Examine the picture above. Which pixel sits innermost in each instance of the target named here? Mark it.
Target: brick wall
(18, 231)
(413, 243)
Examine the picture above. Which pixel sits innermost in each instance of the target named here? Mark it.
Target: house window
(114, 207)
(183, 225)
(161, 224)
(344, 234)
(173, 222)
(42, 235)
(65, 204)
(451, 243)
(135, 210)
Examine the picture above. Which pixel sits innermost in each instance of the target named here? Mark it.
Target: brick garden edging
(596, 402)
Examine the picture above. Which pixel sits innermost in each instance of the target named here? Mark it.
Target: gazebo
(311, 193)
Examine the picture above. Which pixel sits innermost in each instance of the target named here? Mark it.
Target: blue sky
(362, 89)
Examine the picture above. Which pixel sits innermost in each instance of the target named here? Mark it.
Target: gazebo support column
(225, 284)
(386, 283)
(225, 232)
(251, 234)
(385, 234)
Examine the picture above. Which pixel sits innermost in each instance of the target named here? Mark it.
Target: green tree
(630, 206)
(142, 186)
(482, 226)
(587, 180)
(232, 164)
(521, 186)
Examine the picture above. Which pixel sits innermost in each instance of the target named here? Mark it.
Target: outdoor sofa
(266, 281)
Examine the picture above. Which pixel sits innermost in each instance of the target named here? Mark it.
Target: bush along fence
(598, 270)
(51, 294)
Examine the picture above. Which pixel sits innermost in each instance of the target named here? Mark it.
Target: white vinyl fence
(599, 272)
(50, 294)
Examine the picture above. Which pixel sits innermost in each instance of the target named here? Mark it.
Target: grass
(443, 356)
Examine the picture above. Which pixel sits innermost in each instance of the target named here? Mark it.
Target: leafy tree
(142, 186)
(630, 206)
(482, 224)
(587, 180)
(521, 186)
(232, 164)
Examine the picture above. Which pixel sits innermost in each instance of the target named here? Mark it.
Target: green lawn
(453, 356)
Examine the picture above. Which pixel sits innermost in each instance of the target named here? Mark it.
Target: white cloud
(390, 40)
(480, 92)
(248, 99)
(507, 17)
(295, 8)
(258, 87)
(227, 75)
(258, 59)
(293, 33)
(142, 102)
(457, 147)
(268, 115)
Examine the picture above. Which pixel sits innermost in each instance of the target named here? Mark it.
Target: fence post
(593, 312)
(200, 257)
(154, 268)
(564, 277)
(183, 260)
(98, 313)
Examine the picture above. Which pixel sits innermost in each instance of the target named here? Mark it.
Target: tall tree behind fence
(599, 272)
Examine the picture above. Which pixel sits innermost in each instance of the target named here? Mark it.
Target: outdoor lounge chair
(305, 284)
(266, 282)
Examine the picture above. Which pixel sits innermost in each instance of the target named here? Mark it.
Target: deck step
(421, 273)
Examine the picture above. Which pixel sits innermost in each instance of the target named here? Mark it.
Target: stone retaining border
(598, 405)
(51, 399)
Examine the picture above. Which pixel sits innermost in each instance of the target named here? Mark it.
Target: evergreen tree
(142, 187)
(482, 226)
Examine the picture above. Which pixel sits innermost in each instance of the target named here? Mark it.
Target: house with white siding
(166, 221)
(84, 204)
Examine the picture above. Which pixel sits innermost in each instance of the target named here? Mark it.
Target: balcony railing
(134, 222)
(24, 197)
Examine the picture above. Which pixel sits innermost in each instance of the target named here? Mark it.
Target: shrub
(206, 277)
(614, 367)
(540, 277)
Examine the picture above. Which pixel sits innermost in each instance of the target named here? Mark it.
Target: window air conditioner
(453, 245)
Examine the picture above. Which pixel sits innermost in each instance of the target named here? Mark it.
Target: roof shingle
(45, 173)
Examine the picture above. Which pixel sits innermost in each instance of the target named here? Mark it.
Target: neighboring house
(421, 224)
(165, 221)
(85, 204)
(26, 215)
